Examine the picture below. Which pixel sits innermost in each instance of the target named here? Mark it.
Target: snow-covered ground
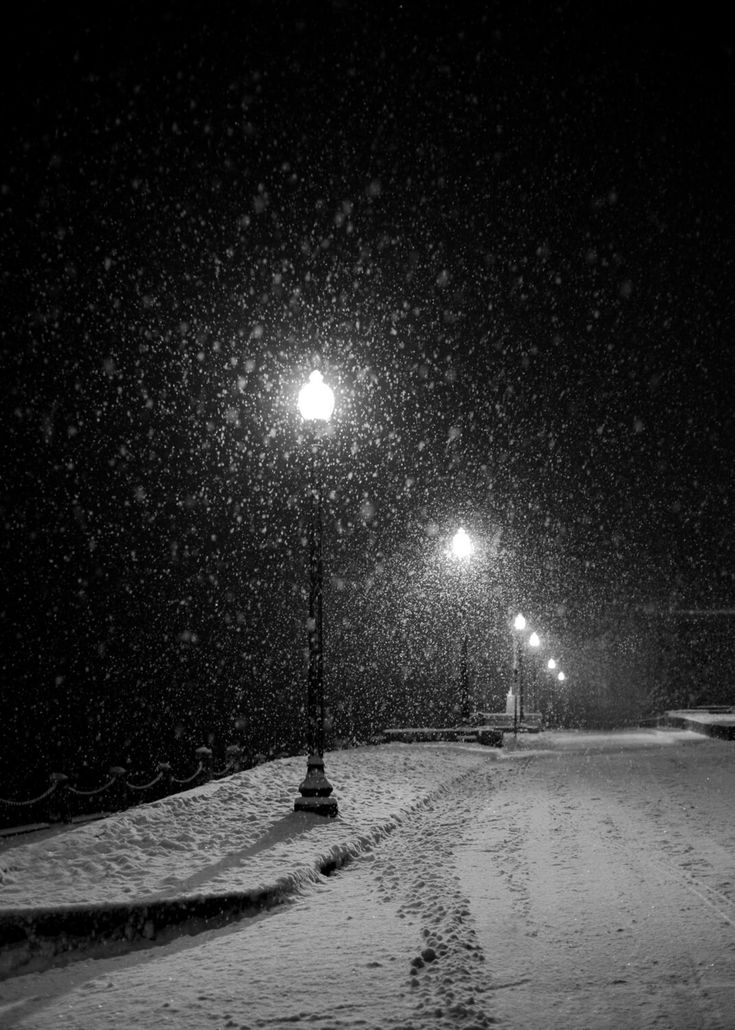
(688, 717)
(237, 834)
(577, 881)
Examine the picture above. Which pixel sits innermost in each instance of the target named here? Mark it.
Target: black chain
(90, 793)
(193, 776)
(32, 801)
(144, 786)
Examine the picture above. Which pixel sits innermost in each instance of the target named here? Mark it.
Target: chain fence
(63, 801)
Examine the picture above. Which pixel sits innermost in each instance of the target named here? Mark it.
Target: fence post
(118, 791)
(59, 809)
(204, 756)
(164, 768)
(233, 756)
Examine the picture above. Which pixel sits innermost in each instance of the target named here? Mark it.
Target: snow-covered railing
(62, 800)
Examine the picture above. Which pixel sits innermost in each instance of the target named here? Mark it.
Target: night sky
(505, 234)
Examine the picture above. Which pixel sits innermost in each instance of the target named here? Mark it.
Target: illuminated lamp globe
(534, 640)
(462, 546)
(520, 622)
(551, 664)
(561, 676)
(316, 399)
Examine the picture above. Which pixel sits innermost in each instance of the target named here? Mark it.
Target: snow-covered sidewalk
(209, 854)
(230, 834)
(577, 881)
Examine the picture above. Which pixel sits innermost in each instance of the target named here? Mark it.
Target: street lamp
(534, 641)
(551, 704)
(519, 624)
(316, 404)
(462, 548)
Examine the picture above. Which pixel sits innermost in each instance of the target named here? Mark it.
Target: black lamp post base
(317, 806)
(315, 790)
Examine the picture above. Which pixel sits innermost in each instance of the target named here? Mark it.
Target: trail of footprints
(447, 974)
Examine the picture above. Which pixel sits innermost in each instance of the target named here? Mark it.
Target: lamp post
(519, 624)
(534, 641)
(551, 705)
(462, 548)
(316, 404)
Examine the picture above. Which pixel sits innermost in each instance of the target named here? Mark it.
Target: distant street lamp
(519, 625)
(534, 641)
(462, 548)
(316, 404)
(561, 676)
(551, 704)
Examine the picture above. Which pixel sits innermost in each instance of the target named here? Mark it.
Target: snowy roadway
(581, 881)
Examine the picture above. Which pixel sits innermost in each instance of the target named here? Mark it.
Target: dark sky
(506, 234)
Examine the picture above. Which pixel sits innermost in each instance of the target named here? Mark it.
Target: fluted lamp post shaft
(461, 549)
(316, 404)
(519, 625)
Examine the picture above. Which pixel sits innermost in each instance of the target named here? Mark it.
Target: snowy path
(344, 953)
(587, 909)
(570, 888)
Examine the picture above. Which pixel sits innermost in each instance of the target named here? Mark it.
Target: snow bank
(210, 854)
(573, 880)
(225, 835)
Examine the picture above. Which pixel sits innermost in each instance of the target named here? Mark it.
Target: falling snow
(503, 236)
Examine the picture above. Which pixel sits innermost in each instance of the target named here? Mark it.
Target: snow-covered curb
(251, 870)
(713, 724)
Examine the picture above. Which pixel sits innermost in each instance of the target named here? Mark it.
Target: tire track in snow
(668, 860)
(581, 927)
(719, 903)
(665, 867)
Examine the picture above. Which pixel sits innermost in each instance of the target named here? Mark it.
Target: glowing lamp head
(462, 546)
(534, 640)
(551, 664)
(520, 622)
(561, 677)
(316, 399)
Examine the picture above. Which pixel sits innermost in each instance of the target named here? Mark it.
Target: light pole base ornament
(315, 790)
